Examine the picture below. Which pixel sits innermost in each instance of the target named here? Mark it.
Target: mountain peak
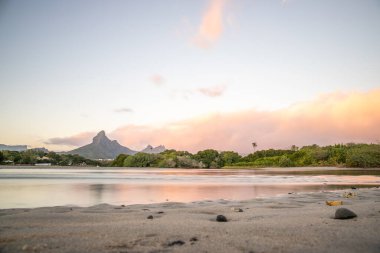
(102, 148)
(151, 150)
(100, 138)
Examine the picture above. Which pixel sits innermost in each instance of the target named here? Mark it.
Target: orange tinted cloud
(211, 26)
(328, 119)
(214, 91)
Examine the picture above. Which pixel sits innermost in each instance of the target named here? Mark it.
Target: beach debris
(177, 242)
(349, 195)
(344, 213)
(221, 218)
(334, 203)
(237, 209)
(150, 217)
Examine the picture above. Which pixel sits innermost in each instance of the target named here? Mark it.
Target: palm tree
(254, 145)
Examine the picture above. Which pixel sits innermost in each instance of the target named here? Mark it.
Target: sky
(190, 74)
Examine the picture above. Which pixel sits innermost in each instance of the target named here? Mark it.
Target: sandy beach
(288, 223)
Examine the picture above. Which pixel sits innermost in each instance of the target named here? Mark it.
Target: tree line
(35, 157)
(341, 155)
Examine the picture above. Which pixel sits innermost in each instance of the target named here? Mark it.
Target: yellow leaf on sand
(334, 203)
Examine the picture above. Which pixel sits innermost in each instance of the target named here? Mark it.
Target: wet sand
(289, 223)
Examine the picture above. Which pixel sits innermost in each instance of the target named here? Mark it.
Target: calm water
(36, 187)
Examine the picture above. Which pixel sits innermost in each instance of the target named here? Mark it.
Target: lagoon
(28, 187)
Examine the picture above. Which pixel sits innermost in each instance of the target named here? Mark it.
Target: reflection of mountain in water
(97, 191)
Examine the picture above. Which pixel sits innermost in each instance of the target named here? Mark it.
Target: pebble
(237, 209)
(150, 217)
(160, 212)
(221, 218)
(25, 247)
(344, 213)
(178, 242)
(193, 239)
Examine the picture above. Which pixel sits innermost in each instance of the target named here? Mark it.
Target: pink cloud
(328, 119)
(214, 91)
(157, 79)
(74, 140)
(211, 26)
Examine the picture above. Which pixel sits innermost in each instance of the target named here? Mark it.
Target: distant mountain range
(103, 148)
(13, 147)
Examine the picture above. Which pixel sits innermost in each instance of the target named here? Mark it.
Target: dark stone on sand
(178, 242)
(353, 188)
(150, 217)
(221, 218)
(193, 239)
(122, 205)
(344, 213)
(160, 212)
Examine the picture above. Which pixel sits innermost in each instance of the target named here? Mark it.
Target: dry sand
(291, 223)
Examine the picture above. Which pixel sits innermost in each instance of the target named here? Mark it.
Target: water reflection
(41, 187)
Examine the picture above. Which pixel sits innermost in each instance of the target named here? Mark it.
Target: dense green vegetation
(348, 155)
(32, 157)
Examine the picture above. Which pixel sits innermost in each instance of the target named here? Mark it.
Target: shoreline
(298, 222)
(274, 169)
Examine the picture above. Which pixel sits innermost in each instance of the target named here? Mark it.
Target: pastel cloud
(157, 79)
(74, 140)
(211, 26)
(123, 110)
(328, 119)
(214, 91)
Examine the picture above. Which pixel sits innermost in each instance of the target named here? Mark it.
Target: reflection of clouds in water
(86, 187)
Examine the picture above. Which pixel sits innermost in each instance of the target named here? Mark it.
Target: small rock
(344, 213)
(353, 188)
(221, 218)
(150, 217)
(25, 247)
(178, 242)
(193, 239)
(122, 205)
(237, 209)
(160, 212)
(349, 195)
